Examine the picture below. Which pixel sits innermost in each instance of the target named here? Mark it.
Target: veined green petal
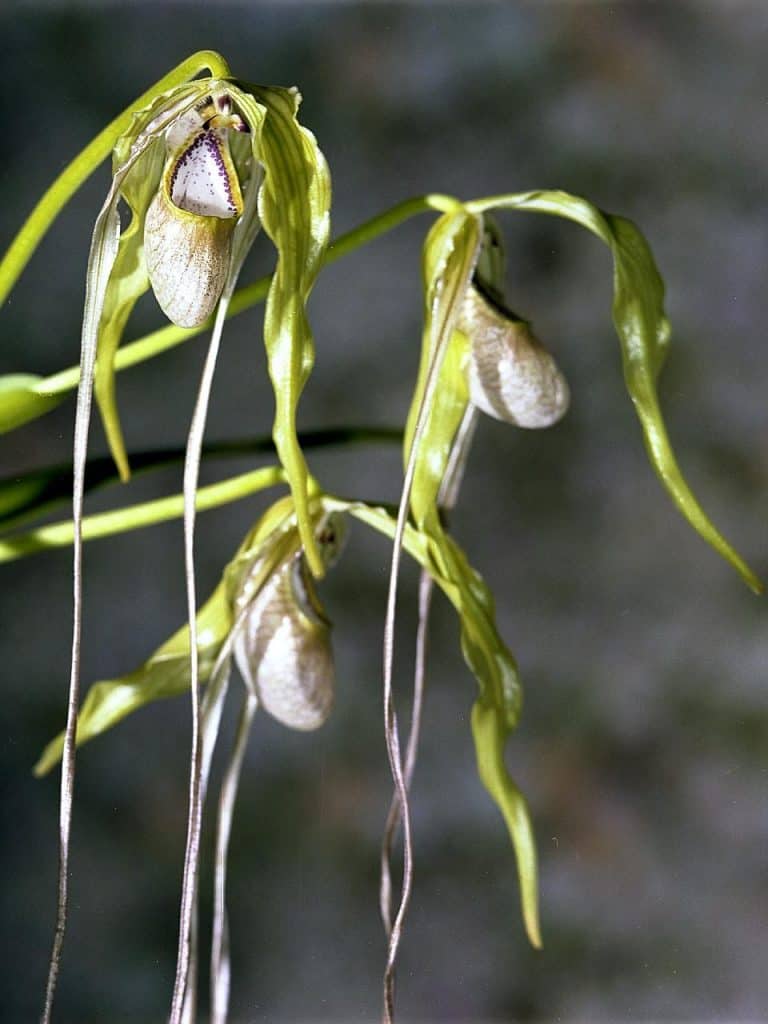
(490, 731)
(138, 177)
(86, 162)
(494, 715)
(127, 284)
(165, 674)
(644, 332)
(20, 402)
(294, 206)
(449, 257)
(496, 712)
(485, 653)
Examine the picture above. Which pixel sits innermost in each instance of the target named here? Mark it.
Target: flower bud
(511, 376)
(283, 650)
(189, 223)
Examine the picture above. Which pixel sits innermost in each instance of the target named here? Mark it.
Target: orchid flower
(202, 164)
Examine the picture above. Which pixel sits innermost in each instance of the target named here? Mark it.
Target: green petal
(165, 674)
(86, 162)
(127, 284)
(138, 180)
(497, 709)
(294, 206)
(490, 732)
(448, 260)
(643, 330)
(495, 713)
(484, 651)
(20, 402)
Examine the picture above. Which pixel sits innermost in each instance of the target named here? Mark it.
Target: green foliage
(286, 189)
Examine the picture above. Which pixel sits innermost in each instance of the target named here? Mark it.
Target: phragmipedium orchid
(199, 166)
(197, 201)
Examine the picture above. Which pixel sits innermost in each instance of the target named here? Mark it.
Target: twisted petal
(440, 398)
(644, 333)
(164, 674)
(498, 706)
(294, 206)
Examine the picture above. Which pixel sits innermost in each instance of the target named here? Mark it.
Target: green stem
(168, 337)
(24, 496)
(86, 162)
(105, 524)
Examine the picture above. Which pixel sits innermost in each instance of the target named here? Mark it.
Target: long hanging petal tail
(459, 249)
(220, 963)
(191, 472)
(104, 245)
(244, 234)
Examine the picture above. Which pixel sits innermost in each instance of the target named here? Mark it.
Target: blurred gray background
(644, 744)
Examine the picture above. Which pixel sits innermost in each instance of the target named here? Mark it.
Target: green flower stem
(59, 535)
(26, 496)
(168, 337)
(105, 524)
(86, 162)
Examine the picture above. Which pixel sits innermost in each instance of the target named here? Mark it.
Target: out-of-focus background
(644, 744)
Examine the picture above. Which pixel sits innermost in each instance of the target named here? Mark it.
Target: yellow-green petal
(294, 206)
(644, 332)
(497, 709)
(165, 674)
(490, 732)
(127, 284)
(85, 163)
(448, 262)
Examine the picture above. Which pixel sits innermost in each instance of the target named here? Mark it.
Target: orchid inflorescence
(202, 164)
